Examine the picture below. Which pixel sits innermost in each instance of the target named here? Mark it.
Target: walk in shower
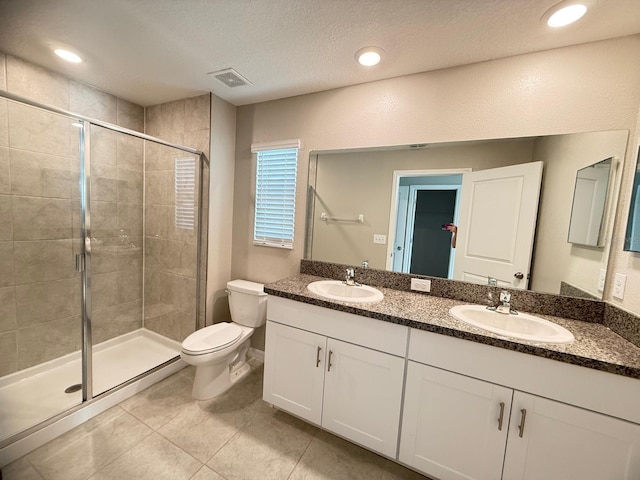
(103, 238)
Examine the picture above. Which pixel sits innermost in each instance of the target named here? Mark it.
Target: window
(275, 193)
(185, 192)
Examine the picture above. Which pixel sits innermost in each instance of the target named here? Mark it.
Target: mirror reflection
(491, 211)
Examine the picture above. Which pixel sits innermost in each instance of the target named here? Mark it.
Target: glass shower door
(40, 289)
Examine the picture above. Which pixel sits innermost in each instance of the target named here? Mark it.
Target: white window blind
(275, 196)
(185, 191)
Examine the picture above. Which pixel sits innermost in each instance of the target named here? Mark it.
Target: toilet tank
(247, 303)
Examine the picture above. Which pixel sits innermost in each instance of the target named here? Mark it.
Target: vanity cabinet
(457, 427)
(334, 371)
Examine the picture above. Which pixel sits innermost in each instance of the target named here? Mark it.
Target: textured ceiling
(153, 51)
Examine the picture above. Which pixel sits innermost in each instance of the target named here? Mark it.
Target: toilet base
(213, 380)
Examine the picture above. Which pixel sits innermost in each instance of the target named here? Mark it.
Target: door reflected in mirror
(632, 237)
(412, 197)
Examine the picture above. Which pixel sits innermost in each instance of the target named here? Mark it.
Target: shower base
(35, 394)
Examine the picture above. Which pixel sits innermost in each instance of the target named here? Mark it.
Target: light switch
(618, 287)
(380, 239)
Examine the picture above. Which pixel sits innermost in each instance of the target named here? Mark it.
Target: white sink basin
(522, 326)
(337, 290)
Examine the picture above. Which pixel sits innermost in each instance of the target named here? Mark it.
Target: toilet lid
(212, 338)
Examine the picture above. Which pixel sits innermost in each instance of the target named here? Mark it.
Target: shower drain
(73, 388)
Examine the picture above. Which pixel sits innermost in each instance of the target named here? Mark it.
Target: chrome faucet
(505, 298)
(350, 277)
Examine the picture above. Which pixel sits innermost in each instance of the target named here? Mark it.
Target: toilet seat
(211, 339)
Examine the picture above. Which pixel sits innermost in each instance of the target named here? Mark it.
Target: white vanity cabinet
(337, 370)
(458, 427)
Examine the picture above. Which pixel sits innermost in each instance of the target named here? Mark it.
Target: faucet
(505, 298)
(365, 264)
(350, 277)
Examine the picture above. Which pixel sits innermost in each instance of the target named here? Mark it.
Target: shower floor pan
(33, 395)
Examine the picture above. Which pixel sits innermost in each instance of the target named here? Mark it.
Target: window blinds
(275, 197)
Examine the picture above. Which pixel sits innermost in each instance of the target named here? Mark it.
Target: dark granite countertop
(595, 345)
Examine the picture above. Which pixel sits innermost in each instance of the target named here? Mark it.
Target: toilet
(219, 352)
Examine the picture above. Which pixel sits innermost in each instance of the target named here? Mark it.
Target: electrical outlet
(601, 279)
(420, 285)
(618, 286)
(380, 239)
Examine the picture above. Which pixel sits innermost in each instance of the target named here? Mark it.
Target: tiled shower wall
(39, 217)
(171, 252)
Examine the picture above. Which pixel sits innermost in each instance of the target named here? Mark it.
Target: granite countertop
(595, 345)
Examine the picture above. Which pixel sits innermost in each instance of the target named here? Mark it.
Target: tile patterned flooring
(162, 433)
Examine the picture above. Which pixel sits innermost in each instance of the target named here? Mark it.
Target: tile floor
(162, 433)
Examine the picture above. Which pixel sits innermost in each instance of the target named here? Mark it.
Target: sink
(337, 290)
(522, 326)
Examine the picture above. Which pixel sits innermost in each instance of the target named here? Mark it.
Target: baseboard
(256, 354)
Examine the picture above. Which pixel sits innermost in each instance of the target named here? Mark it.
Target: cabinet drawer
(368, 332)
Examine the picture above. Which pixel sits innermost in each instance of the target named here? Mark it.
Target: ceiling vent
(230, 78)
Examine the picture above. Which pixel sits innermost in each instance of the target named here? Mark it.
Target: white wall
(575, 89)
(223, 134)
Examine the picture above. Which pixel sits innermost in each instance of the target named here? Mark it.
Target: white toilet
(219, 352)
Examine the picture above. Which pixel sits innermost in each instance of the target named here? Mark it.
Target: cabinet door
(561, 442)
(294, 370)
(362, 395)
(454, 427)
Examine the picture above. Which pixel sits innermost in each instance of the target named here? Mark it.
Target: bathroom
(533, 94)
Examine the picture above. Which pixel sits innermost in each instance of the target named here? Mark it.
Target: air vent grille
(231, 78)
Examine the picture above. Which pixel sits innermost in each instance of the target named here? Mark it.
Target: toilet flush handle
(226, 290)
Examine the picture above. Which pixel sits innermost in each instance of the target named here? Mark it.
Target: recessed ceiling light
(67, 55)
(565, 13)
(369, 56)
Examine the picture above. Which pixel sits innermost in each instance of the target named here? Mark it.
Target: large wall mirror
(491, 211)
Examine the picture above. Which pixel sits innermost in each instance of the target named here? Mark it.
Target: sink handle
(501, 417)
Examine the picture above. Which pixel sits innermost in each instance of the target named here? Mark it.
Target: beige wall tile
(8, 309)
(199, 140)
(39, 131)
(45, 302)
(130, 219)
(5, 171)
(197, 113)
(4, 123)
(130, 152)
(103, 145)
(37, 83)
(104, 182)
(156, 220)
(91, 102)
(153, 117)
(129, 285)
(45, 260)
(104, 290)
(112, 322)
(157, 157)
(130, 115)
(7, 275)
(130, 253)
(41, 343)
(41, 218)
(104, 219)
(104, 254)
(8, 353)
(172, 257)
(157, 185)
(173, 115)
(40, 175)
(6, 218)
(130, 186)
